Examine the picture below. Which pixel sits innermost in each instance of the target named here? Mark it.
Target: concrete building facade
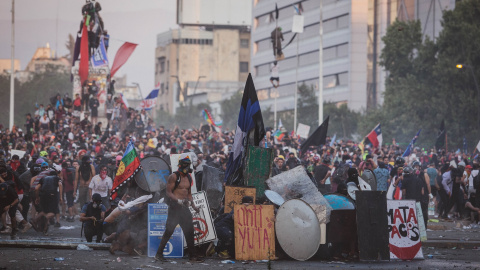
(352, 31)
(192, 54)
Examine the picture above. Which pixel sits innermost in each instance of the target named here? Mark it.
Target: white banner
(303, 130)
(403, 230)
(297, 26)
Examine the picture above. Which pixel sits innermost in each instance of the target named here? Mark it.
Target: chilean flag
(375, 137)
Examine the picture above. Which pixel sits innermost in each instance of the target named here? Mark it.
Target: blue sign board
(157, 219)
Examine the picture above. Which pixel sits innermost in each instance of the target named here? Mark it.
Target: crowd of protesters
(70, 162)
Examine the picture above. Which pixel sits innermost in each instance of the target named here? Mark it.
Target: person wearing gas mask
(179, 198)
(92, 216)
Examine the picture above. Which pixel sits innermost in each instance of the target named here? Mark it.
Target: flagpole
(275, 110)
(276, 38)
(12, 74)
(320, 67)
(296, 91)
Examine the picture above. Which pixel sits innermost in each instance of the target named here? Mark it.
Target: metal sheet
(298, 229)
(370, 178)
(257, 167)
(363, 184)
(212, 184)
(352, 189)
(295, 184)
(339, 202)
(154, 174)
(274, 197)
(372, 225)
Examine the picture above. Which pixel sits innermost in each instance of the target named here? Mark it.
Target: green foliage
(39, 89)
(424, 87)
(343, 121)
(185, 117)
(230, 109)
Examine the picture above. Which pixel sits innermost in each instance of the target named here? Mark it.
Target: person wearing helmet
(397, 170)
(43, 154)
(179, 198)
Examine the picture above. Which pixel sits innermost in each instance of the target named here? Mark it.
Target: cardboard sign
(403, 230)
(203, 229)
(254, 232)
(174, 165)
(20, 153)
(303, 130)
(234, 195)
(157, 219)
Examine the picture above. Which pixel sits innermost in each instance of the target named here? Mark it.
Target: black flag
(318, 137)
(250, 130)
(440, 142)
(276, 12)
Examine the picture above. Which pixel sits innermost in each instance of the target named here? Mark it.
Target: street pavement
(450, 245)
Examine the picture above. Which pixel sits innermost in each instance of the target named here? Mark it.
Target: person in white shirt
(101, 184)
(274, 74)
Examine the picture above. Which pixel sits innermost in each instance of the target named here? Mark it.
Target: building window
(244, 42)
(243, 67)
(334, 80)
(161, 63)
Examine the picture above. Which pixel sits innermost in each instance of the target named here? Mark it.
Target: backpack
(476, 182)
(48, 185)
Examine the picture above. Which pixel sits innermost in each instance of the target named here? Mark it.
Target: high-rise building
(212, 44)
(351, 41)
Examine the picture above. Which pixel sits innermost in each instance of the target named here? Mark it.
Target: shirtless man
(179, 198)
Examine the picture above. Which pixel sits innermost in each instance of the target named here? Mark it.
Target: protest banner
(403, 229)
(157, 219)
(174, 166)
(234, 195)
(303, 130)
(254, 232)
(20, 153)
(203, 229)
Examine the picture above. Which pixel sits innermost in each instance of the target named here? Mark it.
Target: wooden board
(234, 195)
(258, 166)
(254, 232)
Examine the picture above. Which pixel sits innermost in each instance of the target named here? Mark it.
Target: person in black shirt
(321, 174)
(8, 203)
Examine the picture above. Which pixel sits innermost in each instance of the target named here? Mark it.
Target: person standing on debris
(179, 198)
(92, 216)
(8, 204)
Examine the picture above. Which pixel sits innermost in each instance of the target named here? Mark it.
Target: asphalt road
(40, 258)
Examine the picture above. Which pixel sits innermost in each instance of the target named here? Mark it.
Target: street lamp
(460, 66)
(139, 89)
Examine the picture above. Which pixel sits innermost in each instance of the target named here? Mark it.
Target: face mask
(95, 205)
(103, 174)
(417, 172)
(185, 169)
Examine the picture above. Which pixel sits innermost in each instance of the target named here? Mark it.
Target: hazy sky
(136, 21)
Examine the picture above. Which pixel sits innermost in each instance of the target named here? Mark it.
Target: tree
(423, 86)
(230, 109)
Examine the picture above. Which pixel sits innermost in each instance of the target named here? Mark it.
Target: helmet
(184, 159)
(39, 161)
(416, 163)
(326, 159)
(408, 170)
(400, 161)
(43, 154)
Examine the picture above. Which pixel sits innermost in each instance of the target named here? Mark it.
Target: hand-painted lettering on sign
(254, 232)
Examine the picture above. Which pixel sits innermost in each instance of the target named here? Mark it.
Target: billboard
(214, 12)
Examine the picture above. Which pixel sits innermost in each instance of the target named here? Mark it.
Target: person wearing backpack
(48, 197)
(179, 198)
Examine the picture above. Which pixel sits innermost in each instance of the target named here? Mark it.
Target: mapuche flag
(250, 130)
(127, 169)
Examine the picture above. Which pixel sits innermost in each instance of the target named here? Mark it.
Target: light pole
(12, 75)
(460, 66)
(139, 89)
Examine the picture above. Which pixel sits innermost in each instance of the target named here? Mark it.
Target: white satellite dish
(298, 229)
(274, 197)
